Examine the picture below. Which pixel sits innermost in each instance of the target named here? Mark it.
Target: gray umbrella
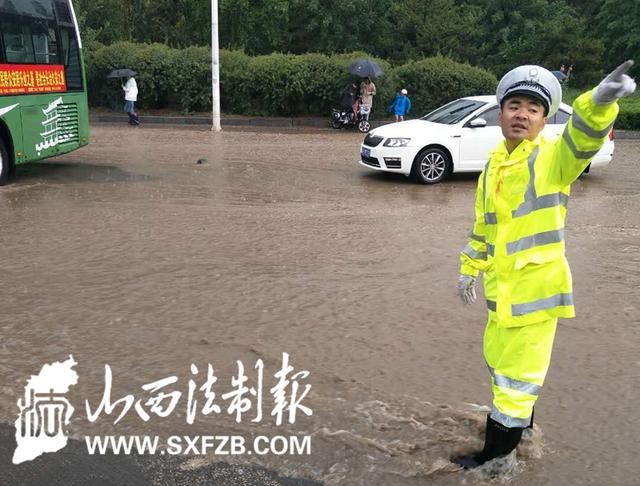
(366, 68)
(560, 76)
(121, 73)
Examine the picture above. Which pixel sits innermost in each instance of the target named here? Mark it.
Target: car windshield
(453, 112)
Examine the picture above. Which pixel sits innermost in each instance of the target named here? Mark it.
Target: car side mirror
(478, 123)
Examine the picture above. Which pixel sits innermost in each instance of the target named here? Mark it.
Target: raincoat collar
(522, 151)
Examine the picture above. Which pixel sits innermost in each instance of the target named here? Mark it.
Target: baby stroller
(363, 117)
(351, 114)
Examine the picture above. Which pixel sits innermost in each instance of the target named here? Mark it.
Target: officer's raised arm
(594, 113)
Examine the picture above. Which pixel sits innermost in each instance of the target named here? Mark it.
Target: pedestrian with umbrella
(130, 89)
(367, 92)
(563, 74)
(367, 69)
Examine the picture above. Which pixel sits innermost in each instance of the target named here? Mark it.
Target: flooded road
(131, 254)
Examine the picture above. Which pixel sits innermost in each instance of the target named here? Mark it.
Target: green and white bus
(43, 91)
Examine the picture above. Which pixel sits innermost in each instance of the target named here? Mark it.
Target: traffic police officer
(518, 238)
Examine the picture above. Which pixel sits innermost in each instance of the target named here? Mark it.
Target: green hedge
(167, 78)
(288, 85)
(629, 117)
(153, 62)
(628, 120)
(272, 85)
(437, 80)
(284, 84)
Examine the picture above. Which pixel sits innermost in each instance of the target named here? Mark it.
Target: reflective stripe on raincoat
(521, 203)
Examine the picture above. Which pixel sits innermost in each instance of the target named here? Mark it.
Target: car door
(477, 142)
(555, 124)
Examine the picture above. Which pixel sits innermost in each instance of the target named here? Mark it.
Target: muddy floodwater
(129, 253)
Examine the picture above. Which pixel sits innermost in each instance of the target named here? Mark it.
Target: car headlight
(396, 142)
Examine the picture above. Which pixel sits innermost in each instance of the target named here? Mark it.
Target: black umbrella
(121, 73)
(559, 75)
(366, 68)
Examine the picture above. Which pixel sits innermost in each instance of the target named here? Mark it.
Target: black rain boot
(136, 120)
(130, 119)
(499, 441)
(527, 433)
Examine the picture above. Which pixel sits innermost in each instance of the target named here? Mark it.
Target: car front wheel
(431, 165)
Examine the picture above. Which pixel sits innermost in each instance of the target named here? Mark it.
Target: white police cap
(533, 81)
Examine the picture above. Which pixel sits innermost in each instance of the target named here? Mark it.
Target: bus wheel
(5, 164)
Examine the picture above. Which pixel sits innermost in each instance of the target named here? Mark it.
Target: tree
(587, 8)
(495, 34)
(426, 28)
(327, 26)
(107, 21)
(620, 35)
(545, 32)
(177, 23)
(257, 26)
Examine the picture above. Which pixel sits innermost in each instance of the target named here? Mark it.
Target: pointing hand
(616, 85)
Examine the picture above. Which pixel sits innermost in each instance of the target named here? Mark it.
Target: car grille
(372, 161)
(372, 140)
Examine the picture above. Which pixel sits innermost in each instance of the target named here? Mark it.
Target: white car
(457, 137)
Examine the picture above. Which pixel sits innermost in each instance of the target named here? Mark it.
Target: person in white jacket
(130, 97)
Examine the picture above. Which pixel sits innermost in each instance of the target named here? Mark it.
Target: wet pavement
(130, 253)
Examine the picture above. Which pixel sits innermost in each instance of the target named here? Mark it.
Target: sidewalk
(167, 118)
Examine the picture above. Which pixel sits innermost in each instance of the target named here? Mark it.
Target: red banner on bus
(31, 78)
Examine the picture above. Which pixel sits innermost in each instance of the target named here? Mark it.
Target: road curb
(230, 122)
(266, 122)
(626, 134)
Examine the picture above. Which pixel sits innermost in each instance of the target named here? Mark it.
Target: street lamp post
(215, 67)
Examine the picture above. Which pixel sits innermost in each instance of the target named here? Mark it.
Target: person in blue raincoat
(401, 105)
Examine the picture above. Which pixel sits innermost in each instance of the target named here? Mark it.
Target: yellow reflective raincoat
(518, 239)
(518, 242)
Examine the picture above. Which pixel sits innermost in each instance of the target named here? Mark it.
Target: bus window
(30, 41)
(71, 58)
(44, 42)
(18, 43)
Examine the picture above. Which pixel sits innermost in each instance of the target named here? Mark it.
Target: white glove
(615, 85)
(467, 289)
